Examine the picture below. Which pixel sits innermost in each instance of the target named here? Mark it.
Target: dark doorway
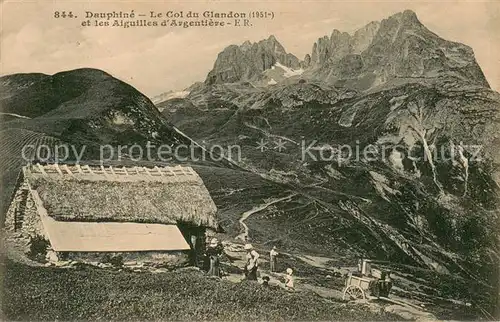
(195, 237)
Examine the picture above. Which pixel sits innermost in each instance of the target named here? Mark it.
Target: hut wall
(169, 258)
(22, 220)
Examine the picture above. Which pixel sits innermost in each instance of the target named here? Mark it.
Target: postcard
(250, 160)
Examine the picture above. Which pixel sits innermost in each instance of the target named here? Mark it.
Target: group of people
(215, 250)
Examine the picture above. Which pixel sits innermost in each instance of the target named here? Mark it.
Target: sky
(156, 60)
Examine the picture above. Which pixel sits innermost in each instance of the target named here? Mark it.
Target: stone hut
(159, 215)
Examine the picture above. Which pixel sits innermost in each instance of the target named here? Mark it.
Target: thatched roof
(166, 195)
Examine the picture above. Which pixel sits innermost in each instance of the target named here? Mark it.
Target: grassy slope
(97, 294)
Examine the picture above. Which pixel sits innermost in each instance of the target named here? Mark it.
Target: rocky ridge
(399, 47)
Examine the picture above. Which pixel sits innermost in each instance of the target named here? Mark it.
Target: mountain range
(399, 47)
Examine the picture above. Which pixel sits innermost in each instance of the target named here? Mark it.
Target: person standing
(387, 284)
(273, 261)
(214, 251)
(252, 263)
(194, 251)
(289, 285)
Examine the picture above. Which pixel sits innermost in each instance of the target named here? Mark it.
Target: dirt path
(315, 261)
(324, 292)
(16, 115)
(269, 134)
(204, 149)
(244, 235)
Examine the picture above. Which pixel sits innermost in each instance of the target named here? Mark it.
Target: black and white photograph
(220, 160)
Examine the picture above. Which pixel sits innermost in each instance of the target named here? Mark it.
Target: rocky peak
(272, 38)
(399, 24)
(321, 51)
(408, 17)
(340, 45)
(404, 47)
(248, 61)
(306, 62)
(331, 49)
(399, 46)
(363, 37)
(246, 45)
(273, 45)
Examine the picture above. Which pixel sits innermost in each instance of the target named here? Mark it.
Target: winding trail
(244, 235)
(16, 115)
(270, 134)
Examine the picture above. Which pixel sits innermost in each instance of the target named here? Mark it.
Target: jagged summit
(407, 16)
(246, 45)
(398, 47)
(272, 38)
(248, 61)
(363, 37)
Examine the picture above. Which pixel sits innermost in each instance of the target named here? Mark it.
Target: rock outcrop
(398, 47)
(248, 61)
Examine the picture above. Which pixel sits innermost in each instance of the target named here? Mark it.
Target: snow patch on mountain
(289, 72)
(169, 95)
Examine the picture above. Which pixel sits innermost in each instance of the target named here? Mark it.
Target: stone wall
(170, 259)
(22, 220)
